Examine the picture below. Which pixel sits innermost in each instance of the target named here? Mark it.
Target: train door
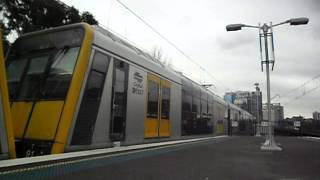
(157, 122)
(119, 100)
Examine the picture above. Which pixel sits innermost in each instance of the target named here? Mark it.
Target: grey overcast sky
(233, 58)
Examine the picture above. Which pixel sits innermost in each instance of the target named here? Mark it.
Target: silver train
(122, 95)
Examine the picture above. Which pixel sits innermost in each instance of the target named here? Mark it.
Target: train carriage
(80, 87)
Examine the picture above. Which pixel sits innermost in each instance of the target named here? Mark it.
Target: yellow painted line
(5, 103)
(74, 91)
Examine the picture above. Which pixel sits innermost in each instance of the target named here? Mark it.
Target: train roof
(114, 44)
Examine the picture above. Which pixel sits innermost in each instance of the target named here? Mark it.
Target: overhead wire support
(171, 43)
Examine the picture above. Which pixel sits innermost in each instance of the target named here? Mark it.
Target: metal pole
(269, 144)
(258, 115)
(265, 30)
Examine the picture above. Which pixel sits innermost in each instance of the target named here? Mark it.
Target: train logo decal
(137, 84)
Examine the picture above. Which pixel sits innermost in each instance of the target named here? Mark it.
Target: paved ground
(227, 158)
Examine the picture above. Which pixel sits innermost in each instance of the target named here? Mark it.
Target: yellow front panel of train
(20, 115)
(44, 120)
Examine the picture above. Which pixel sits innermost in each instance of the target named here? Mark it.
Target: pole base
(270, 146)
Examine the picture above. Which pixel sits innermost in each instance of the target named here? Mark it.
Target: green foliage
(22, 16)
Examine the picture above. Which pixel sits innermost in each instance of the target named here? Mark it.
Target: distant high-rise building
(316, 115)
(230, 97)
(277, 113)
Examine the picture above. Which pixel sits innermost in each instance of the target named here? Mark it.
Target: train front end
(45, 71)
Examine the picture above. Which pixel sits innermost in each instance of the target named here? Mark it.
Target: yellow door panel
(20, 113)
(165, 83)
(151, 124)
(220, 129)
(151, 128)
(164, 128)
(44, 120)
(154, 78)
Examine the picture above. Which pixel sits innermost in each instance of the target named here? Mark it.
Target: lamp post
(257, 109)
(270, 143)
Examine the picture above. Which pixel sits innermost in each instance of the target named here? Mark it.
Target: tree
(88, 18)
(22, 16)
(158, 56)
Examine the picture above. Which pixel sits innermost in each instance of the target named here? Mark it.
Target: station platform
(236, 157)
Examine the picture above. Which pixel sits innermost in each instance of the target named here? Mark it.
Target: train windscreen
(40, 66)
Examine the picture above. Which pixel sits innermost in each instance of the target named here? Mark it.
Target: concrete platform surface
(235, 158)
(225, 158)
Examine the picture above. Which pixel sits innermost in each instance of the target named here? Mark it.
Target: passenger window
(153, 95)
(165, 107)
(90, 103)
(94, 86)
(100, 64)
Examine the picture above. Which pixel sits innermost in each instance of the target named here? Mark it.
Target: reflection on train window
(165, 107)
(186, 96)
(91, 101)
(204, 102)
(15, 69)
(94, 86)
(60, 75)
(210, 105)
(33, 78)
(153, 95)
(196, 100)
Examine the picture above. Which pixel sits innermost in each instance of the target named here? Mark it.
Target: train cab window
(30, 85)
(61, 70)
(165, 106)
(153, 96)
(40, 66)
(14, 72)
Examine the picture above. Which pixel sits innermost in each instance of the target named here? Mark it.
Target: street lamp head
(234, 27)
(298, 21)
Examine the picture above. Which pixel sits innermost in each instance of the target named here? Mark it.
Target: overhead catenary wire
(303, 88)
(172, 44)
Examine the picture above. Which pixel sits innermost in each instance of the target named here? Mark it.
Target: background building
(276, 112)
(230, 97)
(249, 101)
(316, 115)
